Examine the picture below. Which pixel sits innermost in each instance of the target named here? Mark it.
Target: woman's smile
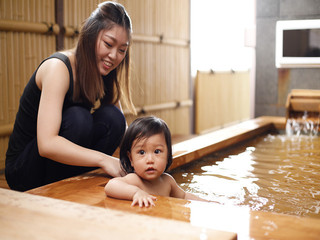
(111, 48)
(107, 65)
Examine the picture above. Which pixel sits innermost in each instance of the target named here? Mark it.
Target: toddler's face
(148, 156)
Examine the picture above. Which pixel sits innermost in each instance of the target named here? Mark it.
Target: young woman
(145, 154)
(70, 119)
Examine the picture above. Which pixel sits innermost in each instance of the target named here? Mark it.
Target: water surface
(276, 173)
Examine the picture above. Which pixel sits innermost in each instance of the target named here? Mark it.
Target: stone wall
(273, 85)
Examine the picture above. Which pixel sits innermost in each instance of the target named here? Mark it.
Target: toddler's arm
(178, 192)
(191, 196)
(126, 188)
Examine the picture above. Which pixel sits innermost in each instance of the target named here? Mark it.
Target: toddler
(146, 154)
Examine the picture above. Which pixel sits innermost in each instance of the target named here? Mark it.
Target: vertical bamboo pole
(16, 69)
(11, 92)
(3, 66)
(11, 59)
(32, 36)
(4, 79)
(22, 50)
(165, 59)
(27, 43)
(66, 17)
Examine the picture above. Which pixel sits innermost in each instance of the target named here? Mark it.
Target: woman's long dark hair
(141, 128)
(90, 85)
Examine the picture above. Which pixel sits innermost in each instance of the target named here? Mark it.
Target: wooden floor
(3, 182)
(28, 216)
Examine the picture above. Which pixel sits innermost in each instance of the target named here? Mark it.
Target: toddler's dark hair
(141, 128)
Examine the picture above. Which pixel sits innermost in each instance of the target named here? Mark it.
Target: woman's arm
(53, 80)
(127, 188)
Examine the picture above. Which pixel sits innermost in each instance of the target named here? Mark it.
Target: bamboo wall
(221, 99)
(21, 52)
(161, 57)
(75, 12)
(160, 51)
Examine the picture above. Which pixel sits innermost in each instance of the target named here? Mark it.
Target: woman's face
(111, 48)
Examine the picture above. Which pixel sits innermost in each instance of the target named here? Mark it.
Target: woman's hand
(112, 167)
(142, 198)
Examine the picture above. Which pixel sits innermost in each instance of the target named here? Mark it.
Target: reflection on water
(275, 173)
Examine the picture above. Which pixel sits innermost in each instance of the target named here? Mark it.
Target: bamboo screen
(161, 60)
(160, 54)
(221, 99)
(75, 12)
(22, 49)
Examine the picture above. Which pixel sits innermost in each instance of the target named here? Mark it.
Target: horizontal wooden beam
(6, 130)
(157, 39)
(162, 106)
(71, 32)
(160, 39)
(22, 26)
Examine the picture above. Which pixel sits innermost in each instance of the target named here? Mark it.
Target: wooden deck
(170, 215)
(27, 216)
(3, 182)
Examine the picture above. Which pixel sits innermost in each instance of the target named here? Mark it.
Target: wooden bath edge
(234, 222)
(199, 146)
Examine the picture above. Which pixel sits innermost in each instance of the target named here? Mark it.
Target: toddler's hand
(143, 199)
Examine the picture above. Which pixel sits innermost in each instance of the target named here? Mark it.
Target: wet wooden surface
(88, 189)
(27, 216)
(202, 145)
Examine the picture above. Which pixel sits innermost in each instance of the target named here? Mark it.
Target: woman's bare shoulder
(55, 69)
(55, 64)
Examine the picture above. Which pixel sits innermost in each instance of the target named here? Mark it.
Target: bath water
(275, 172)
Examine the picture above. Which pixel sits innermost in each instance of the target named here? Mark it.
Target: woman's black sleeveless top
(25, 126)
